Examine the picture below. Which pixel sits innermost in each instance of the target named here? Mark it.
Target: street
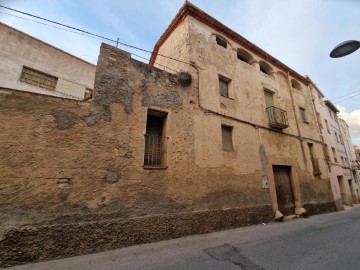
(329, 241)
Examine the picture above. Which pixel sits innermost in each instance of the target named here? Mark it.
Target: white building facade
(31, 65)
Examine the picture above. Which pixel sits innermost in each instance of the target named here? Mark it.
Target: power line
(157, 63)
(41, 18)
(104, 38)
(347, 98)
(346, 94)
(50, 25)
(166, 67)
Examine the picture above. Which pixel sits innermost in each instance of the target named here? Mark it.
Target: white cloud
(353, 121)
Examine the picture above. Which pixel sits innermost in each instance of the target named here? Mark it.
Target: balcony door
(269, 103)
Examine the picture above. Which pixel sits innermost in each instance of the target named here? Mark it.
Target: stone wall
(72, 175)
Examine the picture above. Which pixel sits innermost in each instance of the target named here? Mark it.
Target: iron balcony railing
(154, 146)
(316, 167)
(277, 117)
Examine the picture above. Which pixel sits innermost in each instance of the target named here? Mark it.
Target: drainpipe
(296, 120)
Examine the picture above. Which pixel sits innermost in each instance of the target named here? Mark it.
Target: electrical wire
(165, 67)
(345, 95)
(92, 35)
(50, 25)
(157, 63)
(89, 33)
(346, 98)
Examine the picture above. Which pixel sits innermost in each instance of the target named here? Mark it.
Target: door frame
(277, 171)
(293, 179)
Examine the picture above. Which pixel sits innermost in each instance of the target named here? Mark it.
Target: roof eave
(195, 12)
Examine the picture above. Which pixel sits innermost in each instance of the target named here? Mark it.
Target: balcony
(277, 118)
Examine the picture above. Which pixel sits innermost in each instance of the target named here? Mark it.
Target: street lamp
(345, 48)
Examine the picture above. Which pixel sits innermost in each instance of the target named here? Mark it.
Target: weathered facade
(350, 160)
(227, 141)
(334, 138)
(69, 169)
(266, 105)
(31, 65)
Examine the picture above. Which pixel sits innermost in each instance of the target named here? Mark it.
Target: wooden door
(284, 192)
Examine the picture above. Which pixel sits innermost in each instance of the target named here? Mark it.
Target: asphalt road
(330, 241)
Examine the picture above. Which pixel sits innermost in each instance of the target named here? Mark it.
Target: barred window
(155, 140)
(37, 78)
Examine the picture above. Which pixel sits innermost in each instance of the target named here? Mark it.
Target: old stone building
(29, 64)
(228, 138)
(257, 120)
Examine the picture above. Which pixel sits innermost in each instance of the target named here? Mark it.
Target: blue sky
(301, 34)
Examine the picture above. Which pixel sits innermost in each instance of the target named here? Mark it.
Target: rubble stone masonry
(72, 179)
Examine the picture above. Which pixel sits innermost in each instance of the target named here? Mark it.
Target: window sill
(306, 122)
(227, 97)
(317, 173)
(154, 167)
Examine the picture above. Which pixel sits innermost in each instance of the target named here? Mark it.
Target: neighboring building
(257, 123)
(357, 152)
(350, 161)
(31, 65)
(341, 180)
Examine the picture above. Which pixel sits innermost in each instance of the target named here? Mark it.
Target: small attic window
(295, 84)
(220, 41)
(244, 56)
(265, 67)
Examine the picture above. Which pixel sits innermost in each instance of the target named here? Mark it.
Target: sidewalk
(317, 242)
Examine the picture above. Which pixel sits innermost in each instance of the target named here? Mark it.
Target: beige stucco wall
(338, 170)
(18, 49)
(244, 110)
(351, 157)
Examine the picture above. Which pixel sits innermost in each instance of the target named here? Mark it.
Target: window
(155, 139)
(327, 126)
(342, 161)
(341, 139)
(37, 78)
(303, 115)
(224, 86)
(226, 133)
(221, 42)
(336, 136)
(331, 114)
(334, 154)
(265, 67)
(319, 121)
(327, 152)
(244, 56)
(314, 160)
(295, 84)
